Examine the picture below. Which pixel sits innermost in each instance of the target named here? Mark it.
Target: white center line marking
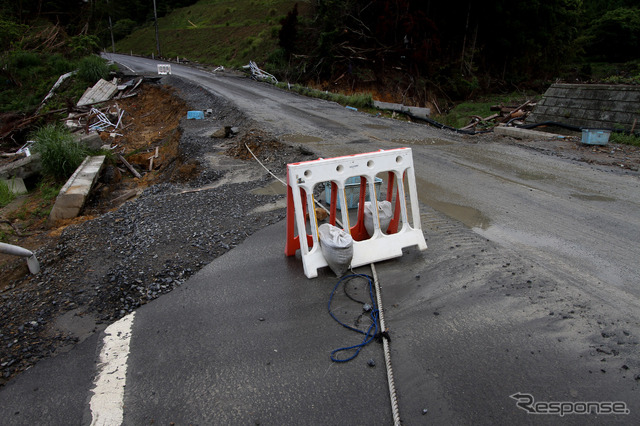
(107, 402)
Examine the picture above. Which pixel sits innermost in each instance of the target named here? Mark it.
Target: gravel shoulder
(202, 201)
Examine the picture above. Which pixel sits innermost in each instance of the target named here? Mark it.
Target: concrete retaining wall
(590, 106)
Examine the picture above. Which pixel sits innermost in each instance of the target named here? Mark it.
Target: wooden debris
(128, 166)
(504, 114)
(156, 155)
(124, 197)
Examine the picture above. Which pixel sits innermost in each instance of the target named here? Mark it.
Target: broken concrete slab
(524, 133)
(416, 112)
(91, 140)
(74, 193)
(22, 168)
(102, 91)
(16, 185)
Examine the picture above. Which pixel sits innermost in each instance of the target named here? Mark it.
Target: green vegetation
(28, 78)
(358, 100)
(48, 190)
(214, 31)
(84, 45)
(6, 196)
(625, 138)
(613, 34)
(35, 208)
(60, 153)
(407, 51)
(30, 75)
(92, 68)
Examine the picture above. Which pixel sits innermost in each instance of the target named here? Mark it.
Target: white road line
(107, 402)
(109, 57)
(129, 68)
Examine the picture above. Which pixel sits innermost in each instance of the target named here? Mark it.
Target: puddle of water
(298, 138)
(469, 216)
(591, 197)
(274, 188)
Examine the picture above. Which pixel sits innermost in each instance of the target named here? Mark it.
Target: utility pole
(113, 43)
(155, 17)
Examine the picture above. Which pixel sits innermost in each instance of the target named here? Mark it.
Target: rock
(304, 150)
(222, 133)
(111, 175)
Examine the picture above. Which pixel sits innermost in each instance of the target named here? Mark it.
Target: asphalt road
(567, 213)
(530, 285)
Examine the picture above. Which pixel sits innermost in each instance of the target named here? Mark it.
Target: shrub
(59, 64)
(10, 31)
(60, 153)
(361, 100)
(92, 68)
(82, 45)
(23, 59)
(625, 138)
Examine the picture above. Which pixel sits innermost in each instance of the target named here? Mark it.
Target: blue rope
(369, 334)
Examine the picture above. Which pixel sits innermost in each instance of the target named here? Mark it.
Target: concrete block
(102, 91)
(417, 112)
(16, 185)
(74, 193)
(22, 168)
(91, 140)
(524, 133)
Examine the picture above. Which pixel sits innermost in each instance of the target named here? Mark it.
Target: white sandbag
(337, 247)
(385, 213)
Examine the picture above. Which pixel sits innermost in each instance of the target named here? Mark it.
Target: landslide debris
(140, 238)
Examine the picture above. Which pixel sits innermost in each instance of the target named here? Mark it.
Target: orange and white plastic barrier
(404, 230)
(164, 69)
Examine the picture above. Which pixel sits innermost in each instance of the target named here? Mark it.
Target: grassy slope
(219, 32)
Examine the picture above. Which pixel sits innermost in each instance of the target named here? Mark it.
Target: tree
(289, 32)
(615, 36)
